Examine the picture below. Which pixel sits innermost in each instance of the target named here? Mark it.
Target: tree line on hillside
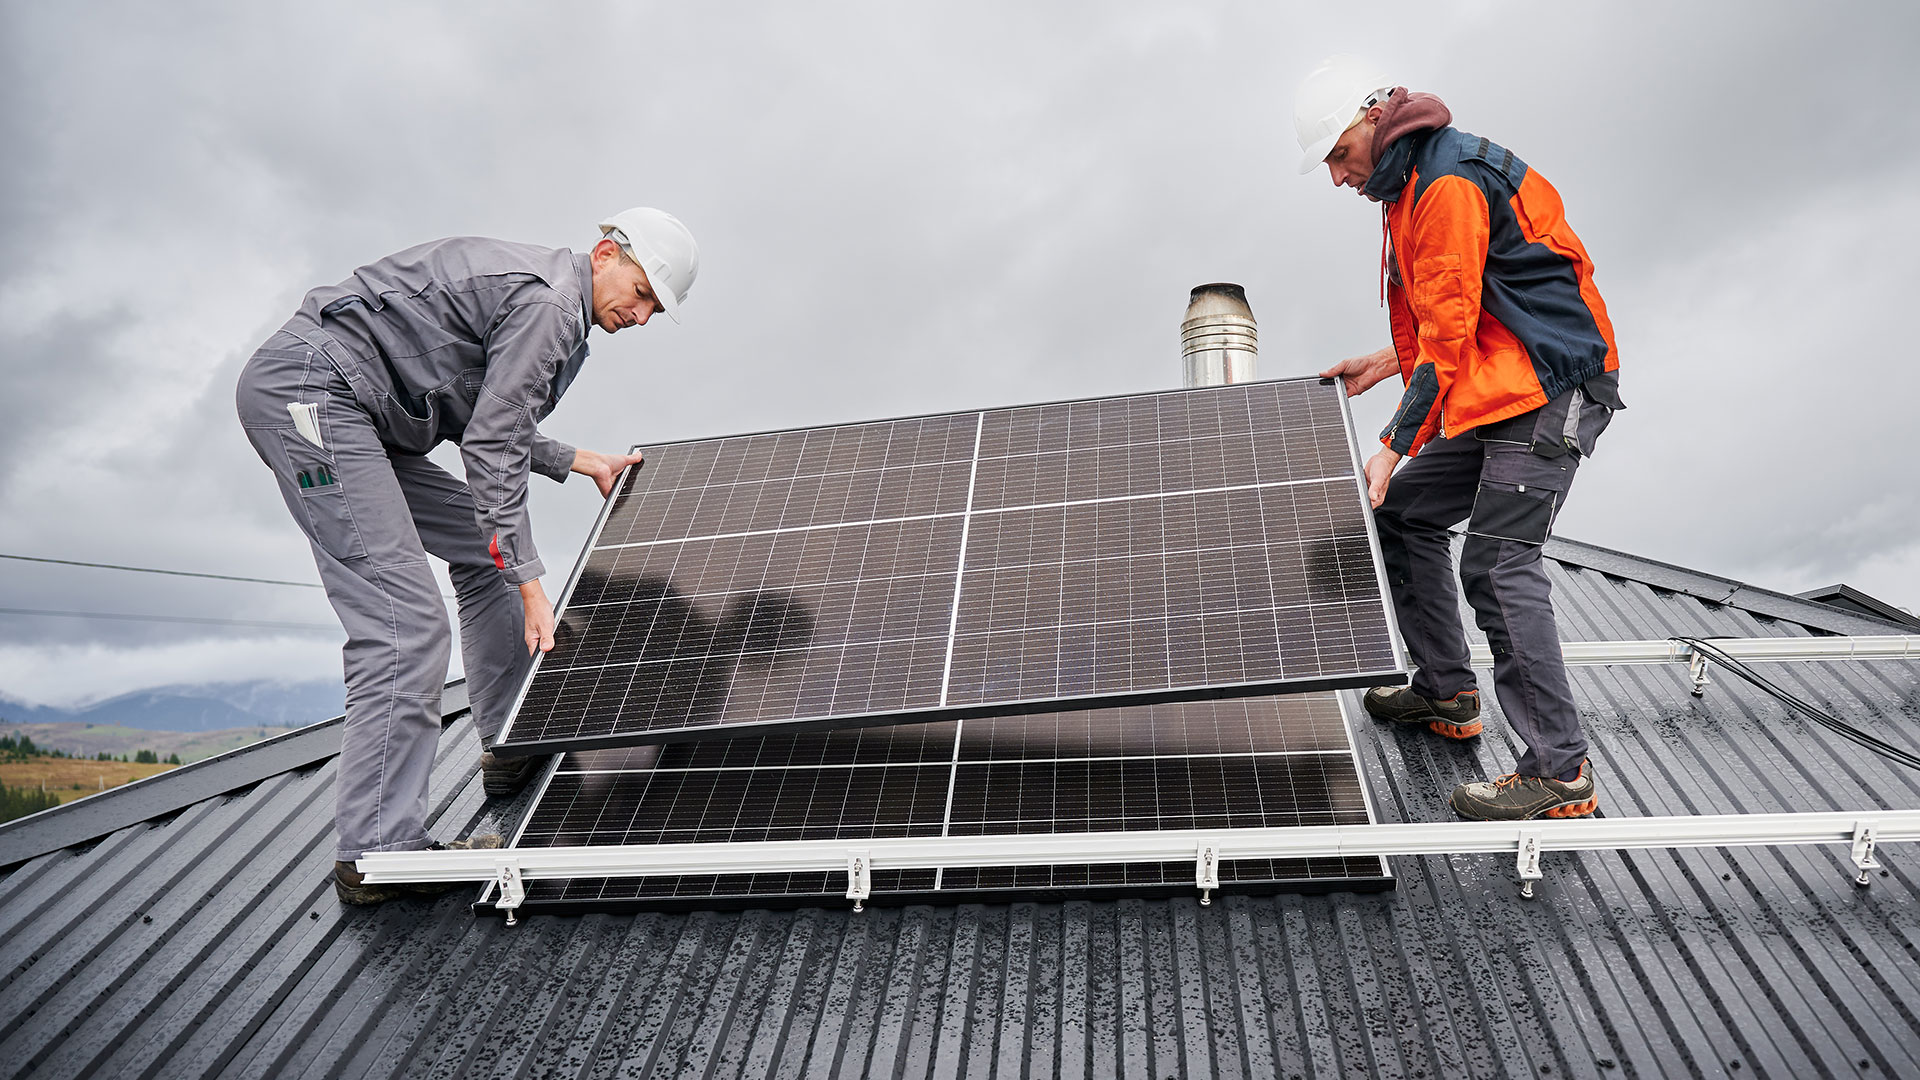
(19, 802)
(20, 747)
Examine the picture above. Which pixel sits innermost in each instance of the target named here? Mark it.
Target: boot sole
(1456, 731)
(1564, 810)
(1573, 810)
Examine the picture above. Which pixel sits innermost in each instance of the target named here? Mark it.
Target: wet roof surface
(192, 931)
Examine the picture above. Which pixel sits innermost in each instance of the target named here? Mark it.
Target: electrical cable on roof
(1897, 754)
(167, 618)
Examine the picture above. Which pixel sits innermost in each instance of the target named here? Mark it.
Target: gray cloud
(906, 210)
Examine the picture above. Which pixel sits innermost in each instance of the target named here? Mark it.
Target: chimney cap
(1228, 287)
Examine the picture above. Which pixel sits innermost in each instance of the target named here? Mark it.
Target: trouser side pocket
(1513, 512)
(324, 513)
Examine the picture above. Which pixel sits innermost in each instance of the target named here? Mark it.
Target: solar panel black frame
(1288, 728)
(1317, 560)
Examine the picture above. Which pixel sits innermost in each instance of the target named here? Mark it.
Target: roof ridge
(1715, 588)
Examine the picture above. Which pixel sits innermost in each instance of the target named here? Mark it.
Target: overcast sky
(916, 208)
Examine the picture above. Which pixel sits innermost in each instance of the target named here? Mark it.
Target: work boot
(351, 888)
(1457, 717)
(504, 776)
(1520, 798)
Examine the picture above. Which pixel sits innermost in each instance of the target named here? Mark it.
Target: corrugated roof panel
(1627, 964)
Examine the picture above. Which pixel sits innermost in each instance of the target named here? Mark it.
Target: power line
(156, 570)
(174, 573)
(123, 616)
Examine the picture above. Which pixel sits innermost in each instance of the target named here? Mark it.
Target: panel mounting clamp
(1863, 860)
(859, 878)
(1206, 870)
(1697, 670)
(513, 890)
(1529, 862)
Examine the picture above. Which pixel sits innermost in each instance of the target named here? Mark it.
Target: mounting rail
(1862, 830)
(1208, 849)
(1750, 650)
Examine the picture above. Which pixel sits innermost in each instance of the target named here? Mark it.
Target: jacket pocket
(326, 516)
(1439, 298)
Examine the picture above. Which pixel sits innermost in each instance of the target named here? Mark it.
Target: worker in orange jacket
(1509, 375)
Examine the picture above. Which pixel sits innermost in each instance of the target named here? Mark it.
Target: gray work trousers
(1509, 495)
(372, 515)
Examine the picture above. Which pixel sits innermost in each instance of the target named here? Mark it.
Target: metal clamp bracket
(1863, 860)
(1206, 870)
(1529, 863)
(859, 878)
(513, 891)
(1697, 670)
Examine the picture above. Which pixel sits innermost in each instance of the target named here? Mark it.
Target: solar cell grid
(1251, 762)
(1158, 546)
(688, 806)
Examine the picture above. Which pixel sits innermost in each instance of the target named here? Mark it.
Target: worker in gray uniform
(466, 340)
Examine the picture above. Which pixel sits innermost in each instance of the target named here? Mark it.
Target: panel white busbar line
(1206, 848)
(1757, 650)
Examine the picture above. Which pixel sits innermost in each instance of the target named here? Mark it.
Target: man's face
(622, 296)
(1351, 159)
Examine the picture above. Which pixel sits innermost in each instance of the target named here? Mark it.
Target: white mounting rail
(1752, 650)
(1205, 848)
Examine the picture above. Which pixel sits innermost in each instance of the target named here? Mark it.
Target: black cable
(174, 573)
(167, 618)
(156, 570)
(1898, 754)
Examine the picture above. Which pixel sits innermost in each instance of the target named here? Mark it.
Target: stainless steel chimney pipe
(1219, 340)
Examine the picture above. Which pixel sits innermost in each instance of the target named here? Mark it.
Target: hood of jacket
(1404, 114)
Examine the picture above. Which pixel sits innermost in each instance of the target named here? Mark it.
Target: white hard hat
(1329, 99)
(664, 249)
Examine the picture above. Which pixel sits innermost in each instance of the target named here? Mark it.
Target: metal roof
(184, 926)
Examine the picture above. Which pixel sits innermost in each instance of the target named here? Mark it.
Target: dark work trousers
(372, 515)
(1509, 495)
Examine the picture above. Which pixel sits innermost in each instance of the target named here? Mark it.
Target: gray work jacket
(465, 340)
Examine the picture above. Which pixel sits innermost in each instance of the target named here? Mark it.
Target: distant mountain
(193, 708)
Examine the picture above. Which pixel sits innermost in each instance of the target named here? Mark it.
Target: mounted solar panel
(1269, 762)
(1159, 547)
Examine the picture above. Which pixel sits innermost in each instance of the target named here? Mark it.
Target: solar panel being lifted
(1218, 765)
(1158, 547)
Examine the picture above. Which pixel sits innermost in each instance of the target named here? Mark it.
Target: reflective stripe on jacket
(1490, 293)
(468, 340)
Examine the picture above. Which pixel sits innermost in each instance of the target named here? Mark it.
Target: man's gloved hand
(604, 468)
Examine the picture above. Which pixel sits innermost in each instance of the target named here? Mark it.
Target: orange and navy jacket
(1490, 293)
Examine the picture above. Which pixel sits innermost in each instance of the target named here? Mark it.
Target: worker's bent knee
(1478, 557)
(398, 635)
